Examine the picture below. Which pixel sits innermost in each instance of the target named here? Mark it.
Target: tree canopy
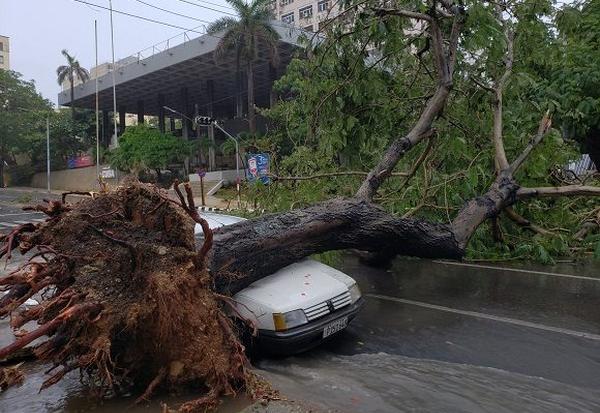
(347, 98)
(145, 148)
(243, 36)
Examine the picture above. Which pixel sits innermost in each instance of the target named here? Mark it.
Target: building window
(288, 18)
(285, 2)
(1, 60)
(1, 47)
(323, 5)
(305, 12)
(308, 28)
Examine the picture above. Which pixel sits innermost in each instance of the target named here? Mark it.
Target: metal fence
(581, 166)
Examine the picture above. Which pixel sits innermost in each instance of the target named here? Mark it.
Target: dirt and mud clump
(126, 298)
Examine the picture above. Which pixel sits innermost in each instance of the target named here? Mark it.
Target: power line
(216, 4)
(206, 7)
(173, 12)
(140, 17)
(169, 24)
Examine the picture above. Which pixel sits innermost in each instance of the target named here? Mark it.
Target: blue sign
(258, 167)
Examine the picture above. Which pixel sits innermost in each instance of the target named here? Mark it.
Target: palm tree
(243, 36)
(71, 71)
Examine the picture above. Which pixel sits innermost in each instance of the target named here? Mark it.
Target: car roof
(217, 220)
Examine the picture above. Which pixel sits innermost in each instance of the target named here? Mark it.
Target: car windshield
(216, 221)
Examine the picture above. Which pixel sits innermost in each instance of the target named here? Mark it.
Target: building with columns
(187, 79)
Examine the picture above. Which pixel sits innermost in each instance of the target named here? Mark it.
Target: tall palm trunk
(251, 111)
(72, 81)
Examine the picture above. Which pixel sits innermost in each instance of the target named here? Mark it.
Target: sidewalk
(35, 195)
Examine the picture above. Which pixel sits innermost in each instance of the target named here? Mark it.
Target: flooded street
(432, 337)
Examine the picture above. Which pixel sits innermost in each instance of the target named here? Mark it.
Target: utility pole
(97, 105)
(114, 68)
(48, 151)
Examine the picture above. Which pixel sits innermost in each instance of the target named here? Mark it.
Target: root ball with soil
(125, 298)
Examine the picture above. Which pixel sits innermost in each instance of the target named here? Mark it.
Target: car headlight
(291, 319)
(355, 293)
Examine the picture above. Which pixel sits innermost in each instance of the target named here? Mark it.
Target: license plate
(335, 326)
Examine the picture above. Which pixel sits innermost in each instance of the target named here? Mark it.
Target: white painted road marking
(484, 316)
(492, 267)
(20, 213)
(8, 224)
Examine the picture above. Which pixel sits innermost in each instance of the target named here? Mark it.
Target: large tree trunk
(262, 246)
(72, 81)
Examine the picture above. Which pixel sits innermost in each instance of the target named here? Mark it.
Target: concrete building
(187, 79)
(4, 52)
(99, 71)
(305, 14)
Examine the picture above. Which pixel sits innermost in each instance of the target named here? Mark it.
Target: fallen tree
(129, 299)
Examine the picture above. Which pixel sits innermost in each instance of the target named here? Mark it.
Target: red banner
(80, 161)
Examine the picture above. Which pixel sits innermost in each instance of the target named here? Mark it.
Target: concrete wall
(80, 179)
(227, 176)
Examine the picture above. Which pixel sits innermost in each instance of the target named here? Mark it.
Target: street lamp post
(237, 160)
(114, 81)
(208, 121)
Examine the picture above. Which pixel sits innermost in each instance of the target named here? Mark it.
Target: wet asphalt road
(442, 337)
(432, 337)
(539, 325)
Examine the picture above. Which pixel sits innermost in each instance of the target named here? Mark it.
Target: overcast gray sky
(40, 29)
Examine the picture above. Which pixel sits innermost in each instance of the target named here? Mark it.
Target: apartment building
(4, 52)
(305, 14)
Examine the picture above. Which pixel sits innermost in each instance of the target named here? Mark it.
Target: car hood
(297, 286)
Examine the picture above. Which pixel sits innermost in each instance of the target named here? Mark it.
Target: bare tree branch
(403, 13)
(497, 102)
(557, 191)
(276, 178)
(543, 128)
(419, 162)
(524, 222)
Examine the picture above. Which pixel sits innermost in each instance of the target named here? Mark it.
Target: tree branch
(403, 13)
(497, 103)
(482, 85)
(524, 222)
(433, 108)
(557, 191)
(543, 128)
(276, 178)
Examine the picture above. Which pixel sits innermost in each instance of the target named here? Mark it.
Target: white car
(299, 306)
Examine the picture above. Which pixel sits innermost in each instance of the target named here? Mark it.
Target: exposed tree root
(10, 376)
(125, 298)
